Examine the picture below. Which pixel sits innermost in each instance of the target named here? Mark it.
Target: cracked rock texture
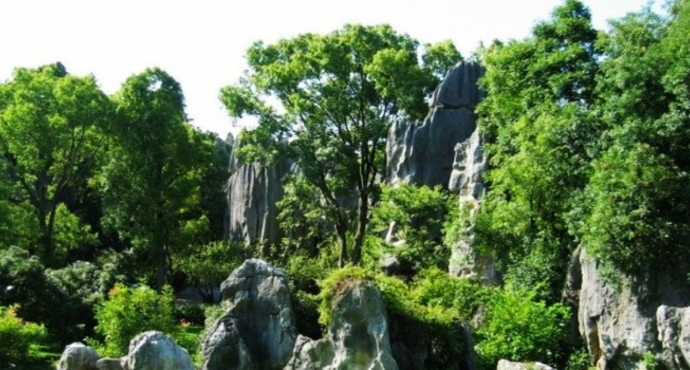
(357, 336)
(258, 331)
(252, 192)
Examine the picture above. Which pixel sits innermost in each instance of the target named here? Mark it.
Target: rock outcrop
(154, 350)
(508, 365)
(258, 331)
(253, 191)
(423, 152)
(673, 324)
(623, 322)
(357, 337)
(77, 356)
(151, 350)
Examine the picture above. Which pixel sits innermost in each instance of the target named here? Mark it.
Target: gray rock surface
(259, 320)
(623, 322)
(78, 356)
(253, 191)
(357, 337)
(508, 365)
(673, 324)
(223, 348)
(154, 350)
(109, 364)
(423, 152)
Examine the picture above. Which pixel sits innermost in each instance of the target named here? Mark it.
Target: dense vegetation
(108, 204)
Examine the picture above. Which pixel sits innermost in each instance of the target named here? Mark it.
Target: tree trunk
(361, 227)
(341, 230)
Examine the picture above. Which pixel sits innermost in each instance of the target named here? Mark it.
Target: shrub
(189, 313)
(130, 311)
(16, 337)
(519, 328)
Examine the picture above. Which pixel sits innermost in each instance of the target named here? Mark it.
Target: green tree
(49, 125)
(638, 214)
(536, 119)
(339, 92)
(151, 182)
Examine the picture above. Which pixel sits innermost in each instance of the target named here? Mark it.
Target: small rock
(78, 356)
(154, 350)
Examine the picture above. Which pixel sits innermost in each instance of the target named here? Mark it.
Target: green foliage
(414, 319)
(17, 336)
(339, 93)
(434, 287)
(418, 213)
(519, 327)
(649, 361)
(579, 360)
(205, 267)
(130, 311)
(334, 285)
(151, 182)
(50, 124)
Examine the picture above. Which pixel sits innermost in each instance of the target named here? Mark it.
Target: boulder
(78, 356)
(673, 325)
(357, 336)
(223, 348)
(154, 350)
(109, 364)
(508, 365)
(259, 320)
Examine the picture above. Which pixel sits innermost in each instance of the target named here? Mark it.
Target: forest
(111, 205)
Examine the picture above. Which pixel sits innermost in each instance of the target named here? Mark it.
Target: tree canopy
(338, 94)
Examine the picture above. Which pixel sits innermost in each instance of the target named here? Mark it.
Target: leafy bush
(192, 314)
(130, 311)
(519, 328)
(418, 213)
(16, 337)
(579, 360)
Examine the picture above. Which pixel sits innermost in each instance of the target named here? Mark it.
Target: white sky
(202, 43)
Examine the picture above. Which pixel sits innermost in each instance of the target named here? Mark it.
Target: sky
(202, 43)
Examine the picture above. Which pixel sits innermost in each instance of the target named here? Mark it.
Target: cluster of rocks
(151, 350)
(258, 332)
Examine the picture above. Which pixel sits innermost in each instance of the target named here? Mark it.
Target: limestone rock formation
(508, 365)
(77, 356)
(259, 320)
(224, 348)
(357, 337)
(154, 350)
(109, 364)
(620, 322)
(253, 191)
(673, 324)
(423, 152)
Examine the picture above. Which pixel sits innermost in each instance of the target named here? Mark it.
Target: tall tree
(339, 92)
(151, 182)
(49, 124)
(535, 117)
(638, 214)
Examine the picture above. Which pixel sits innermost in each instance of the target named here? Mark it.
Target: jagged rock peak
(423, 152)
(459, 89)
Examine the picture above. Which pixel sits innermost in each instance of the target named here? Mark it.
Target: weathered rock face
(224, 348)
(253, 191)
(423, 152)
(357, 336)
(109, 364)
(621, 325)
(77, 356)
(508, 365)
(154, 350)
(258, 331)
